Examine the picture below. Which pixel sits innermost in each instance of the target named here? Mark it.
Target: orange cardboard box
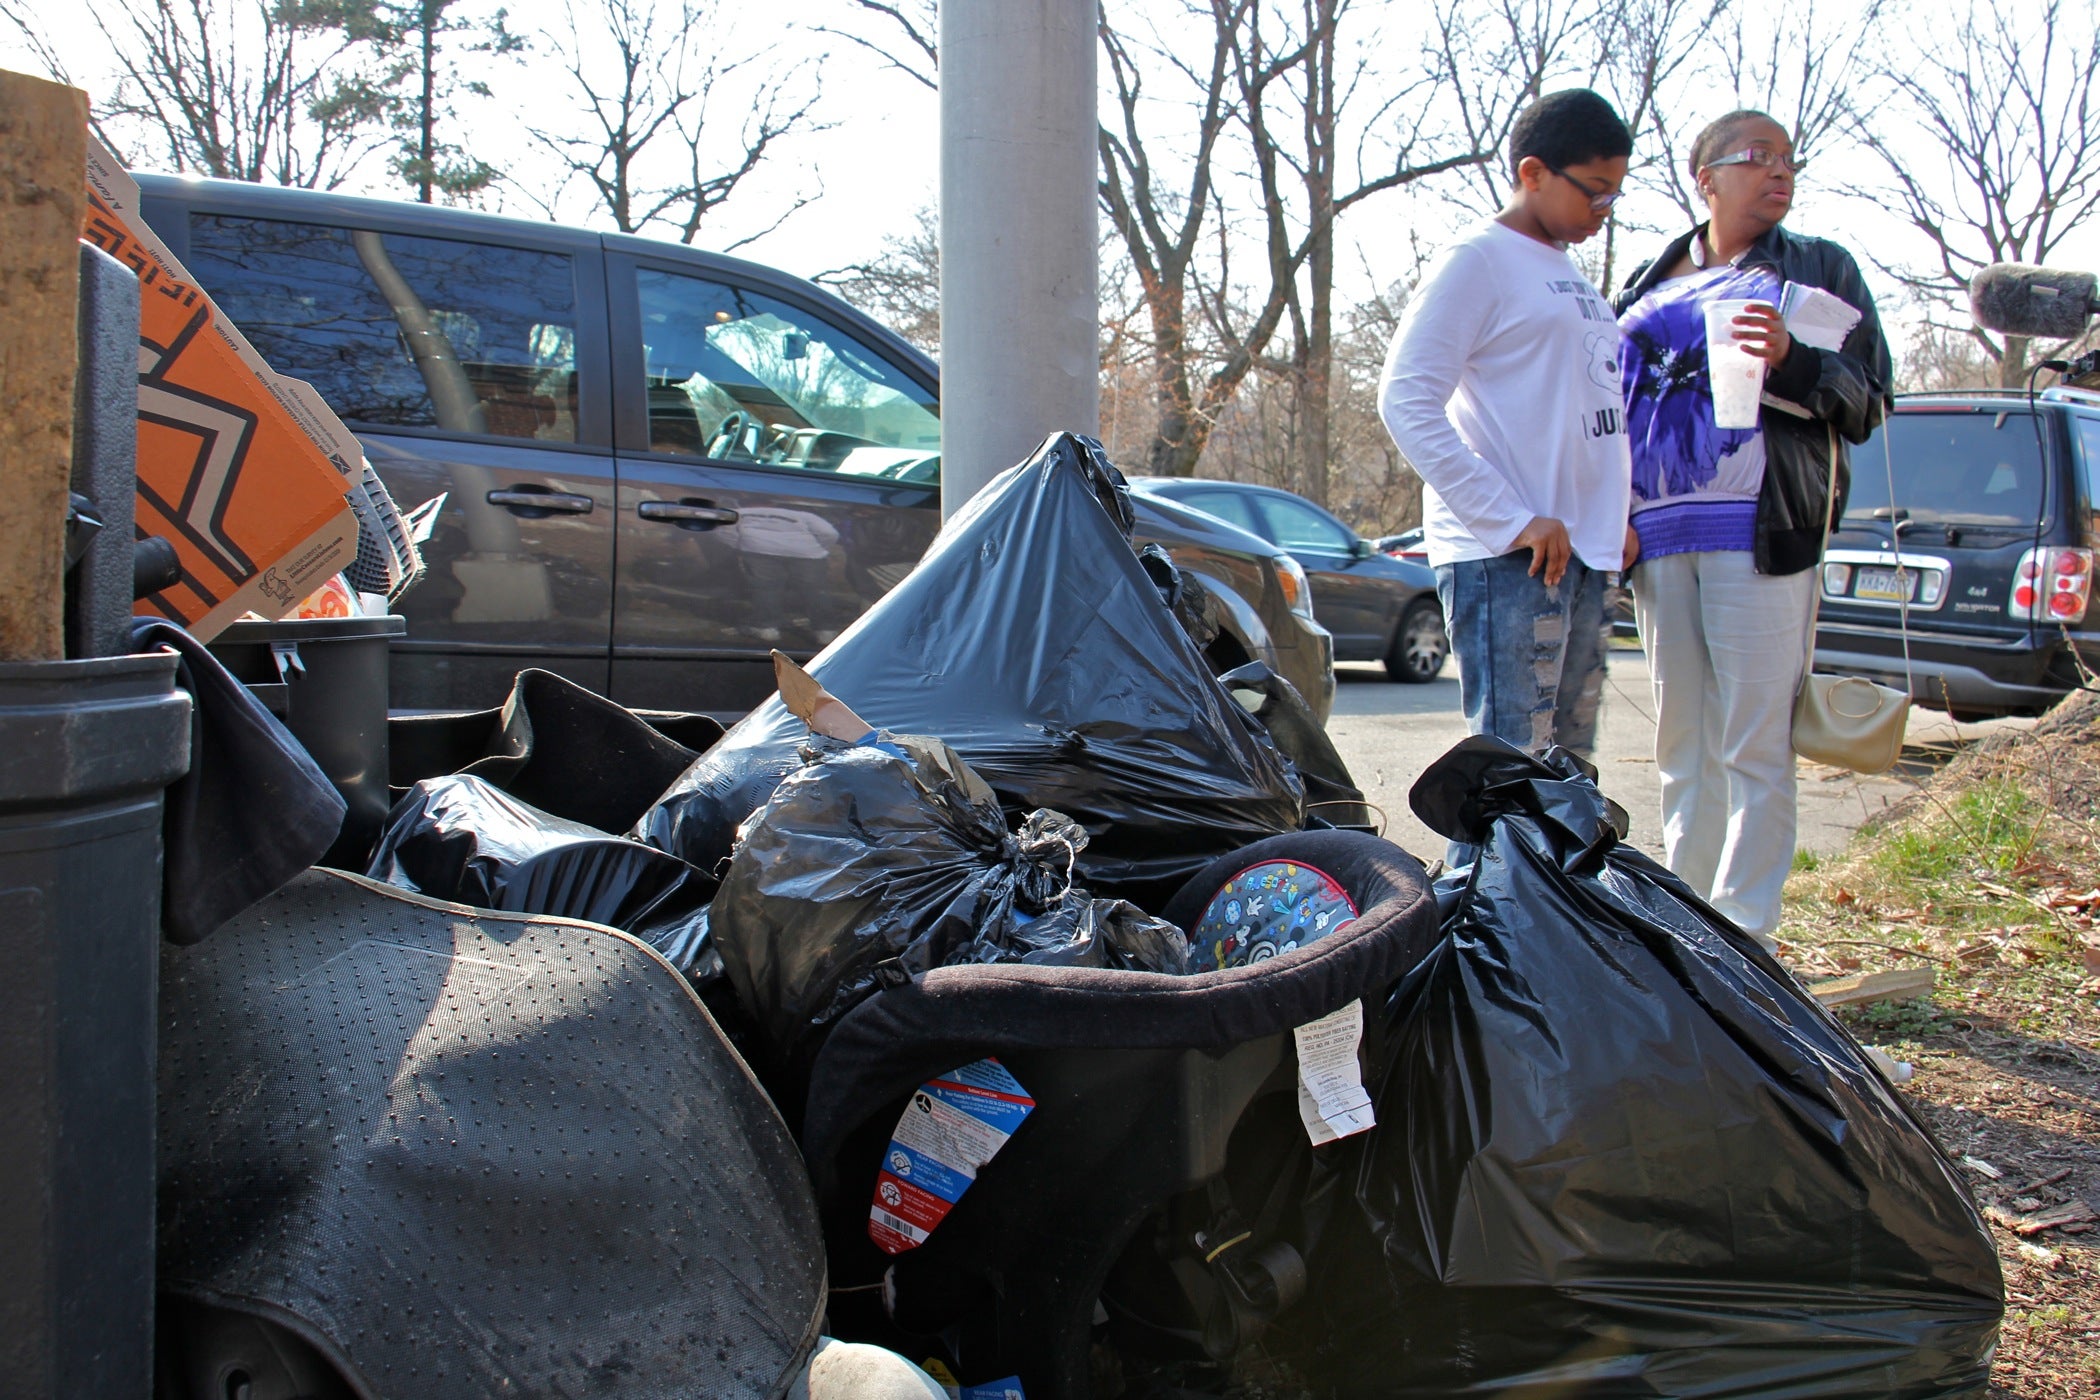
(234, 468)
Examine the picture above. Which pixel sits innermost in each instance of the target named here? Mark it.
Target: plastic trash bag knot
(1044, 857)
(1484, 779)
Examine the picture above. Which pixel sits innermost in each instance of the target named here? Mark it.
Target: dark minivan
(658, 463)
(1986, 551)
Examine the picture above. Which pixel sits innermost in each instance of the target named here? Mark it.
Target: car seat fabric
(892, 1042)
(1139, 1081)
(470, 1153)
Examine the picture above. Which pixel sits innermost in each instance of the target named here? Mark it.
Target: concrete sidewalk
(1389, 733)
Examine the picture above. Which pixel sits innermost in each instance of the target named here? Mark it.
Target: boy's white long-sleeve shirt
(1502, 387)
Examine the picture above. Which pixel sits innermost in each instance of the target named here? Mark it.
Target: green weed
(1986, 830)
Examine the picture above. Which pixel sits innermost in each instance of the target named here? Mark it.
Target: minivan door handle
(687, 513)
(533, 501)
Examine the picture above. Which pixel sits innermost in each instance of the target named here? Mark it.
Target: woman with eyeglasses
(1730, 521)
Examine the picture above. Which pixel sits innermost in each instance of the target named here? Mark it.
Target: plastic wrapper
(880, 861)
(1620, 1152)
(463, 839)
(1032, 639)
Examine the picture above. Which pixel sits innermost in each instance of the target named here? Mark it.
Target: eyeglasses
(1599, 203)
(1764, 157)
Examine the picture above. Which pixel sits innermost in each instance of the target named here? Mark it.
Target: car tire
(1419, 645)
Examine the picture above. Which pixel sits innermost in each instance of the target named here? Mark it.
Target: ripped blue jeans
(1530, 655)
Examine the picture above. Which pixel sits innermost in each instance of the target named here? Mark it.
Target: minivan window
(736, 375)
(401, 331)
(1951, 468)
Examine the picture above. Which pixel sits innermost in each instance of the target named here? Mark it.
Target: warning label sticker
(1331, 1099)
(953, 1126)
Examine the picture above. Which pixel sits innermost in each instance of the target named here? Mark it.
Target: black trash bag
(1332, 797)
(1620, 1152)
(1033, 641)
(882, 860)
(464, 839)
(556, 746)
(1194, 606)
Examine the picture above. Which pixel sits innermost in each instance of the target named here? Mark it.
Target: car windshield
(1951, 468)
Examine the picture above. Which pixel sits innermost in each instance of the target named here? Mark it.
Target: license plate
(1885, 585)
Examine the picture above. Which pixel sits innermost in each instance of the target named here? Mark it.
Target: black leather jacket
(1848, 389)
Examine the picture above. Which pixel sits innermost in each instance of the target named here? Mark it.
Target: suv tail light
(2052, 585)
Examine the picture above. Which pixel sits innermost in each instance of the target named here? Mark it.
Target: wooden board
(1900, 984)
(43, 164)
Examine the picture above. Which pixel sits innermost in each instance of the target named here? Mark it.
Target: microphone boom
(2040, 302)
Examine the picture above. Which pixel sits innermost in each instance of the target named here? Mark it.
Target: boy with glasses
(1502, 388)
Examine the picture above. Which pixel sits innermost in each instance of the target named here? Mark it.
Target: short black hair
(1568, 128)
(1721, 132)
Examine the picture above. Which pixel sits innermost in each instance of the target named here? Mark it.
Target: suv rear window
(401, 331)
(1954, 468)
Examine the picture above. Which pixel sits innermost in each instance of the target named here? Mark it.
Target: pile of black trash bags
(1079, 747)
(1619, 1151)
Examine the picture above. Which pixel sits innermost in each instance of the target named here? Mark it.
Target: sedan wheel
(1419, 645)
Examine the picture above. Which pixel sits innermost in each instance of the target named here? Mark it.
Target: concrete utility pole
(1020, 269)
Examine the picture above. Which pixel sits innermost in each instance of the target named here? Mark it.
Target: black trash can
(86, 749)
(326, 678)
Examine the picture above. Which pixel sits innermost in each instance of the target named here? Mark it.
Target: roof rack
(1917, 394)
(2055, 393)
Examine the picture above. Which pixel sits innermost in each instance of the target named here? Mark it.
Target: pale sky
(877, 162)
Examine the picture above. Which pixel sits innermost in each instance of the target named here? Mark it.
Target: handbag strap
(1830, 495)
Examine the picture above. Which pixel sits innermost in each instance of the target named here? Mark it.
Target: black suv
(1988, 544)
(658, 464)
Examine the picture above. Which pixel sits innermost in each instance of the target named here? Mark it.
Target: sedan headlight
(1297, 589)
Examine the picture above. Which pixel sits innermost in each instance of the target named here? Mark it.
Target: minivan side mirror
(1361, 548)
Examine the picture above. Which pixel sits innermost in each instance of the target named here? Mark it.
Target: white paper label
(1331, 1098)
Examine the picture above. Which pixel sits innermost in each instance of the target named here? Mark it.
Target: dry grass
(1990, 872)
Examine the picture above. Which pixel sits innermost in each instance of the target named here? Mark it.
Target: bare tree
(1988, 136)
(646, 77)
(288, 92)
(1649, 57)
(1160, 208)
(1490, 59)
(440, 55)
(1940, 358)
(910, 36)
(1803, 62)
(901, 285)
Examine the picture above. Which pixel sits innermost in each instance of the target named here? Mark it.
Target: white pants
(1725, 648)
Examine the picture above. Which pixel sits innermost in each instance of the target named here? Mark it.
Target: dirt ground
(1990, 874)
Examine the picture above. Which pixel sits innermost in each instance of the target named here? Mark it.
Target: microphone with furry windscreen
(2042, 302)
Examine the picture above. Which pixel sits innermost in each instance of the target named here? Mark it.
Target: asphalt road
(1389, 733)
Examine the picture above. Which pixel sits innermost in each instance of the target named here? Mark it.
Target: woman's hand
(1761, 331)
(1632, 553)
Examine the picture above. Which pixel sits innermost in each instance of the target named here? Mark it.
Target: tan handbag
(1850, 721)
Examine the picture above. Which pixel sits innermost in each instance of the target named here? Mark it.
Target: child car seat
(1146, 1089)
